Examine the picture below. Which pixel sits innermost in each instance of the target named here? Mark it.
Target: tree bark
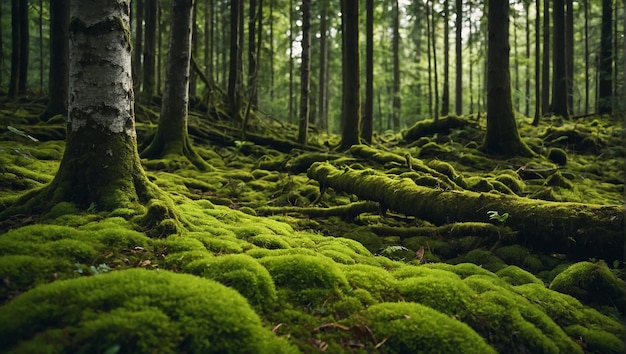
(24, 48)
(545, 61)
(587, 4)
(445, 96)
(537, 64)
(351, 111)
(235, 56)
(15, 49)
(435, 75)
(149, 51)
(502, 137)
(305, 73)
(559, 62)
(137, 45)
(605, 84)
(579, 230)
(58, 72)
(368, 111)
(569, 53)
(396, 66)
(252, 53)
(458, 91)
(171, 136)
(527, 83)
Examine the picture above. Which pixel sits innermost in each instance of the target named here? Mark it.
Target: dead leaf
(419, 254)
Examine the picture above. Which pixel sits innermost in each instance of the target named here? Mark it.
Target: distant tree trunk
(587, 5)
(559, 62)
(396, 66)
(430, 67)
(605, 84)
(445, 99)
(271, 54)
(171, 137)
(537, 117)
(351, 111)
(291, 37)
(137, 46)
(502, 137)
(15, 49)
(323, 73)
(100, 168)
(516, 70)
(149, 51)
(24, 48)
(40, 27)
(471, 66)
(368, 111)
(545, 69)
(252, 53)
(527, 83)
(209, 42)
(159, 48)
(193, 77)
(569, 53)
(1, 52)
(59, 61)
(305, 72)
(458, 94)
(434, 44)
(236, 8)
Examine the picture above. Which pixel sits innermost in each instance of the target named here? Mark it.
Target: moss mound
(135, 311)
(414, 328)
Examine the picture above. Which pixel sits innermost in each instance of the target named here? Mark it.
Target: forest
(297, 176)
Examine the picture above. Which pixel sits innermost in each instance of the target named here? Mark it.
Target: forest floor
(418, 242)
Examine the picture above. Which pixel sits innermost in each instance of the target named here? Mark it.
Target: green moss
(430, 269)
(591, 283)
(517, 276)
(139, 311)
(512, 181)
(306, 279)
(269, 241)
(22, 272)
(596, 341)
(558, 156)
(415, 328)
(479, 184)
(442, 294)
(378, 282)
(370, 240)
(242, 273)
(557, 180)
(481, 258)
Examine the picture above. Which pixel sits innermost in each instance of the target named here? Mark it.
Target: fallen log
(349, 211)
(577, 230)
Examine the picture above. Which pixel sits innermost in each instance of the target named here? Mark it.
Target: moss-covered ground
(265, 259)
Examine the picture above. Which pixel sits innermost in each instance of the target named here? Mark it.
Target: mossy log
(430, 127)
(578, 230)
(350, 210)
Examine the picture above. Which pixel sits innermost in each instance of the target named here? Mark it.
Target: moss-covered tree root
(349, 211)
(579, 230)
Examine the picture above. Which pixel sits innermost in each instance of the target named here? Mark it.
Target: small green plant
(494, 215)
(99, 269)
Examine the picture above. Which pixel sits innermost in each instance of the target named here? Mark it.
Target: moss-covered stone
(515, 275)
(445, 295)
(481, 258)
(591, 283)
(558, 156)
(415, 328)
(137, 311)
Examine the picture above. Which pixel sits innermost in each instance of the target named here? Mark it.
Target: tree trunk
(458, 90)
(159, 47)
(58, 72)
(559, 62)
(368, 111)
(351, 111)
(40, 27)
(430, 66)
(137, 46)
(502, 137)
(271, 54)
(579, 230)
(100, 168)
(545, 69)
(537, 64)
(305, 72)
(171, 136)
(252, 53)
(15, 49)
(291, 38)
(323, 73)
(149, 51)
(516, 70)
(605, 84)
(587, 4)
(193, 77)
(24, 48)
(236, 8)
(1, 51)
(569, 53)
(445, 97)
(396, 66)
(527, 83)
(434, 44)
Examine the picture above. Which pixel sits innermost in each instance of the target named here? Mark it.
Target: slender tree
(59, 61)
(435, 75)
(351, 108)
(149, 51)
(545, 59)
(24, 47)
(322, 100)
(15, 49)
(458, 90)
(537, 116)
(445, 96)
(236, 8)
(368, 111)
(137, 45)
(193, 76)
(527, 71)
(396, 66)
(305, 72)
(430, 66)
(569, 52)
(171, 137)
(502, 137)
(559, 70)
(252, 52)
(587, 4)
(291, 38)
(605, 84)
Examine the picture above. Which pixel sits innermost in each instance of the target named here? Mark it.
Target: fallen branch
(579, 230)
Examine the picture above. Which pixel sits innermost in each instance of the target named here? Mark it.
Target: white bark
(100, 91)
